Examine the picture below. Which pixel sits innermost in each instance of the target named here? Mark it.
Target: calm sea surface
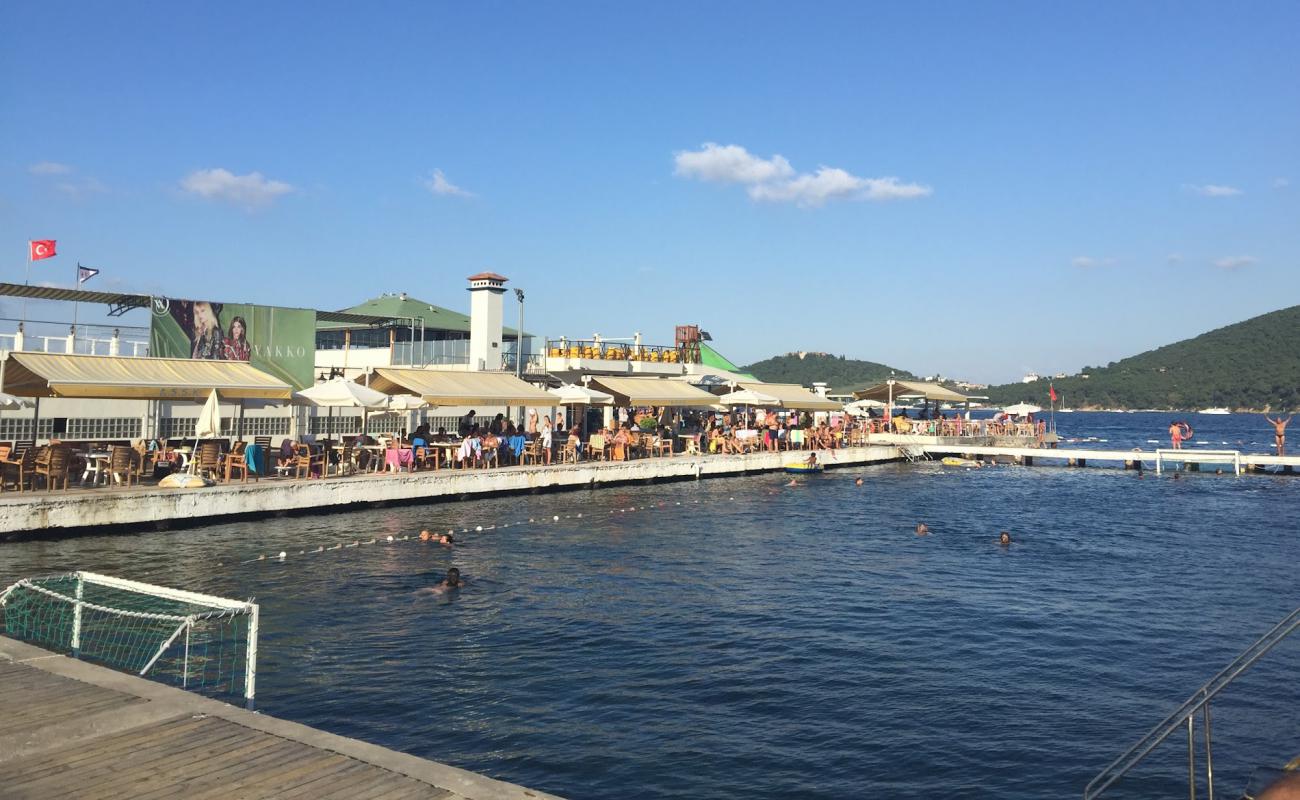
(743, 638)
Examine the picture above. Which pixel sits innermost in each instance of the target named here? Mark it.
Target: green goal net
(194, 641)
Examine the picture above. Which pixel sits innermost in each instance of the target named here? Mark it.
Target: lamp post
(519, 349)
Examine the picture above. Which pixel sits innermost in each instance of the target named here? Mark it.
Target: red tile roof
(488, 276)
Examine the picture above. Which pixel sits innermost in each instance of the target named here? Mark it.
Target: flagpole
(27, 281)
(75, 282)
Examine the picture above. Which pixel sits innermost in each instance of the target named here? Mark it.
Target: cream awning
(930, 391)
(794, 396)
(442, 388)
(653, 392)
(126, 378)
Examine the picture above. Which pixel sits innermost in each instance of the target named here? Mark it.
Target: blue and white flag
(85, 273)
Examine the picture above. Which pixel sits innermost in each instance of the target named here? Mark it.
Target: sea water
(747, 638)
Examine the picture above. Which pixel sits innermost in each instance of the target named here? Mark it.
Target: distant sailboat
(1063, 409)
(1214, 411)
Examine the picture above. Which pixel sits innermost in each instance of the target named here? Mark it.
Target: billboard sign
(278, 341)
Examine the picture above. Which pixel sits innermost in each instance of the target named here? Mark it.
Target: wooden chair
(121, 464)
(55, 466)
(305, 462)
(207, 459)
(693, 445)
(662, 446)
(532, 452)
(237, 461)
(569, 453)
(596, 447)
(425, 458)
(21, 464)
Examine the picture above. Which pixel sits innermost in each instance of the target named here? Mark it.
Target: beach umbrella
(570, 394)
(1022, 409)
(860, 408)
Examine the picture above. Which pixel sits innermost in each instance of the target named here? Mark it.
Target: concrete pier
(70, 729)
(34, 512)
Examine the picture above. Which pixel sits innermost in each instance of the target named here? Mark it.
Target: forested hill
(1250, 365)
(841, 374)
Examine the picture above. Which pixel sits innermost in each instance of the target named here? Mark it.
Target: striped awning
(653, 392)
(126, 378)
(793, 396)
(444, 388)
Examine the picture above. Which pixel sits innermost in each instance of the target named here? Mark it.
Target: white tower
(485, 290)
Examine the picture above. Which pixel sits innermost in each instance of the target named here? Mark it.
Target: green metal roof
(397, 307)
(712, 358)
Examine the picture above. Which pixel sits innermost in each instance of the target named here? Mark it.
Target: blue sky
(973, 189)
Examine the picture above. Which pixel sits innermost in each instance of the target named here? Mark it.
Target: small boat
(802, 468)
(954, 461)
(1214, 411)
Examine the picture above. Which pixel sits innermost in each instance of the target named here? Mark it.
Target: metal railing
(1185, 715)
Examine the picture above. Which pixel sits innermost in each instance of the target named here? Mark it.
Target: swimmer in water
(446, 540)
(1004, 539)
(424, 536)
(858, 482)
(452, 581)
(922, 529)
(793, 482)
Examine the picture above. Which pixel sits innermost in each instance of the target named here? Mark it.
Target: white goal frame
(222, 606)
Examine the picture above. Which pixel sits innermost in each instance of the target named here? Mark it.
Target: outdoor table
(395, 458)
(96, 466)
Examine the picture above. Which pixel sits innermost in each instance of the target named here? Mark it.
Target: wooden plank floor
(69, 729)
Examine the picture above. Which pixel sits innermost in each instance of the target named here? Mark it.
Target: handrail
(1184, 713)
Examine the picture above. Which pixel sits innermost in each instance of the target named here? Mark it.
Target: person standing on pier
(1279, 432)
(1178, 433)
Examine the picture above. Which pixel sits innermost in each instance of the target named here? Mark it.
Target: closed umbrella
(208, 425)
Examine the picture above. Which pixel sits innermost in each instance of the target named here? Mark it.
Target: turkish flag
(1051, 392)
(43, 248)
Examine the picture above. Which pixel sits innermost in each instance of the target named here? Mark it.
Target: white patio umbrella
(342, 393)
(11, 401)
(208, 425)
(748, 397)
(860, 408)
(1022, 409)
(571, 394)
(405, 402)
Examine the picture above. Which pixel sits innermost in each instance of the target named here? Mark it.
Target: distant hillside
(842, 374)
(1250, 365)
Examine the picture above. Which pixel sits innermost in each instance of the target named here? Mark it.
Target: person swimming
(453, 580)
(858, 482)
(1004, 539)
(922, 529)
(425, 536)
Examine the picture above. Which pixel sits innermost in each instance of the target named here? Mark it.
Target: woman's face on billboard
(203, 317)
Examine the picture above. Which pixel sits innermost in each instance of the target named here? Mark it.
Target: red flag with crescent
(42, 248)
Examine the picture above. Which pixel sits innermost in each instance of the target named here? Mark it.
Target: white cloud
(1235, 262)
(1174, 258)
(438, 184)
(729, 164)
(1088, 262)
(251, 190)
(774, 180)
(1214, 190)
(84, 187)
(1281, 183)
(49, 168)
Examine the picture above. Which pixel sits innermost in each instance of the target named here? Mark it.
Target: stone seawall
(36, 512)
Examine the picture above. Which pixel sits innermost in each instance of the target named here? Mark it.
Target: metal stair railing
(1185, 715)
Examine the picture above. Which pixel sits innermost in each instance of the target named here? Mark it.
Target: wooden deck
(69, 729)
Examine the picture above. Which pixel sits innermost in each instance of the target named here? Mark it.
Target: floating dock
(70, 729)
(1160, 459)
